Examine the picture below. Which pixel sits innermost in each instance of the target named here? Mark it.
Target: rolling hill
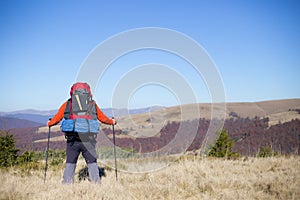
(277, 111)
(269, 122)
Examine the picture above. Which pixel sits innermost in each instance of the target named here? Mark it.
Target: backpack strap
(92, 110)
(67, 111)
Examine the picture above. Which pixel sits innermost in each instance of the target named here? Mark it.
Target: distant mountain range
(29, 111)
(276, 110)
(11, 123)
(35, 118)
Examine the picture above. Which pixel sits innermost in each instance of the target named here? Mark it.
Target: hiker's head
(80, 86)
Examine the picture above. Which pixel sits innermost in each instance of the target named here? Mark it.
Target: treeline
(26, 137)
(283, 138)
(249, 135)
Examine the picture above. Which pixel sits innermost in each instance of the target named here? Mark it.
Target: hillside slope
(150, 123)
(9, 123)
(273, 125)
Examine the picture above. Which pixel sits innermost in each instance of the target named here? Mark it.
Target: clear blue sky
(254, 44)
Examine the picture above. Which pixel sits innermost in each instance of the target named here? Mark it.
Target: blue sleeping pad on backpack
(80, 125)
(67, 125)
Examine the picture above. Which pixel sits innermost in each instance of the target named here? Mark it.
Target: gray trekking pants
(93, 170)
(74, 148)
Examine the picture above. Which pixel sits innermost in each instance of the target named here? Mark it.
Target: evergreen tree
(223, 146)
(8, 151)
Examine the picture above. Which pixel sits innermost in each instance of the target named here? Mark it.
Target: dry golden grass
(188, 178)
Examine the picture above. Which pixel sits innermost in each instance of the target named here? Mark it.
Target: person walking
(80, 125)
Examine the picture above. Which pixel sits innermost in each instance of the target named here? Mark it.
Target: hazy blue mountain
(42, 119)
(38, 117)
(10, 123)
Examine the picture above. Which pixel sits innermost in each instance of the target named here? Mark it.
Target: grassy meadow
(188, 178)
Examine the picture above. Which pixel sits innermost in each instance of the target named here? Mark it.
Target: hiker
(80, 125)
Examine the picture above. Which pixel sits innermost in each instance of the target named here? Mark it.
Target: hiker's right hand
(48, 123)
(114, 121)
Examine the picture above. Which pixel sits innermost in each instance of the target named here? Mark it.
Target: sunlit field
(187, 178)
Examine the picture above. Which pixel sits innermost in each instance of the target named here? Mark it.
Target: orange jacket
(60, 115)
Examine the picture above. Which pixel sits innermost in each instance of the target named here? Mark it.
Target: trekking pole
(47, 150)
(114, 138)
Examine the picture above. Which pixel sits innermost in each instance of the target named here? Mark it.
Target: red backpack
(80, 113)
(81, 104)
